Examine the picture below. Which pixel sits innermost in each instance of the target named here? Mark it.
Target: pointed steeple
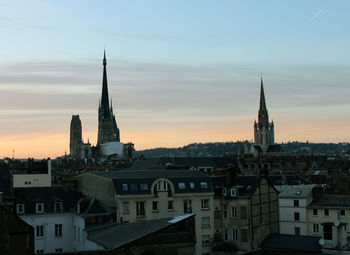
(104, 98)
(263, 115)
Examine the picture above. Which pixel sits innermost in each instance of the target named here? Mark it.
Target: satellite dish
(321, 241)
(336, 223)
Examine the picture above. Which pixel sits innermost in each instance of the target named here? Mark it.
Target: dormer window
(182, 185)
(191, 185)
(125, 187)
(20, 208)
(39, 207)
(58, 206)
(204, 185)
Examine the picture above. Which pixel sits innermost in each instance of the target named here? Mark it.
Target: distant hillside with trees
(226, 148)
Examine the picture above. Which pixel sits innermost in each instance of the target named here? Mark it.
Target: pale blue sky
(175, 66)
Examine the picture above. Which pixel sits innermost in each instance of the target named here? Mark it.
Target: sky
(179, 72)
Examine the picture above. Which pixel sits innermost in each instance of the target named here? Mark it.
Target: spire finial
(104, 57)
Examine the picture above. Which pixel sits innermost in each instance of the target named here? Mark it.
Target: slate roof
(292, 243)
(91, 206)
(134, 179)
(248, 185)
(48, 196)
(331, 201)
(296, 193)
(14, 223)
(116, 236)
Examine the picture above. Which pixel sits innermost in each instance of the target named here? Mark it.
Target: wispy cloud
(314, 17)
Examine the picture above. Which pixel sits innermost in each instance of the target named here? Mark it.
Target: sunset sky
(179, 71)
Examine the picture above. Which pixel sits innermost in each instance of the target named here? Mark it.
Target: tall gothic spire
(263, 117)
(104, 98)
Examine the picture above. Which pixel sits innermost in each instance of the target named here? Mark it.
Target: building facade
(136, 195)
(293, 205)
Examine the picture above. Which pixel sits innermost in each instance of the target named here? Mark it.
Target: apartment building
(293, 205)
(249, 211)
(139, 195)
(328, 217)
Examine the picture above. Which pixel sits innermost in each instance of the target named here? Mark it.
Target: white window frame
(58, 230)
(205, 239)
(39, 231)
(125, 207)
(316, 227)
(20, 208)
(205, 222)
(205, 204)
(234, 211)
(37, 207)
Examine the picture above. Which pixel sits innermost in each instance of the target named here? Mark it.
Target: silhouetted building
(78, 149)
(263, 129)
(107, 125)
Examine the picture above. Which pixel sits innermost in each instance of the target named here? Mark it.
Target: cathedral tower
(107, 125)
(263, 129)
(75, 137)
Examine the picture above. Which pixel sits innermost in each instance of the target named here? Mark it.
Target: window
(226, 234)
(140, 209)
(58, 230)
(20, 208)
(39, 251)
(315, 228)
(314, 212)
(39, 231)
(133, 186)
(326, 212)
(125, 207)
(39, 207)
(58, 206)
(296, 216)
(187, 206)
(234, 213)
(235, 234)
(205, 239)
(204, 185)
(296, 203)
(78, 234)
(170, 205)
(244, 235)
(181, 185)
(154, 206)
(205, 222)
(327, 231)
(191, 185)
(225, 211)
(144, 186)
(342, 212)
(297, 231)
(205, 203)
(243, 212)
(162, 186)
(74, 232)
(125, 187)
(59, 250)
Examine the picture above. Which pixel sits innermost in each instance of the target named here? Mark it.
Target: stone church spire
(107, 126)
(264, 135)
(263, 116)
(104, 98)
